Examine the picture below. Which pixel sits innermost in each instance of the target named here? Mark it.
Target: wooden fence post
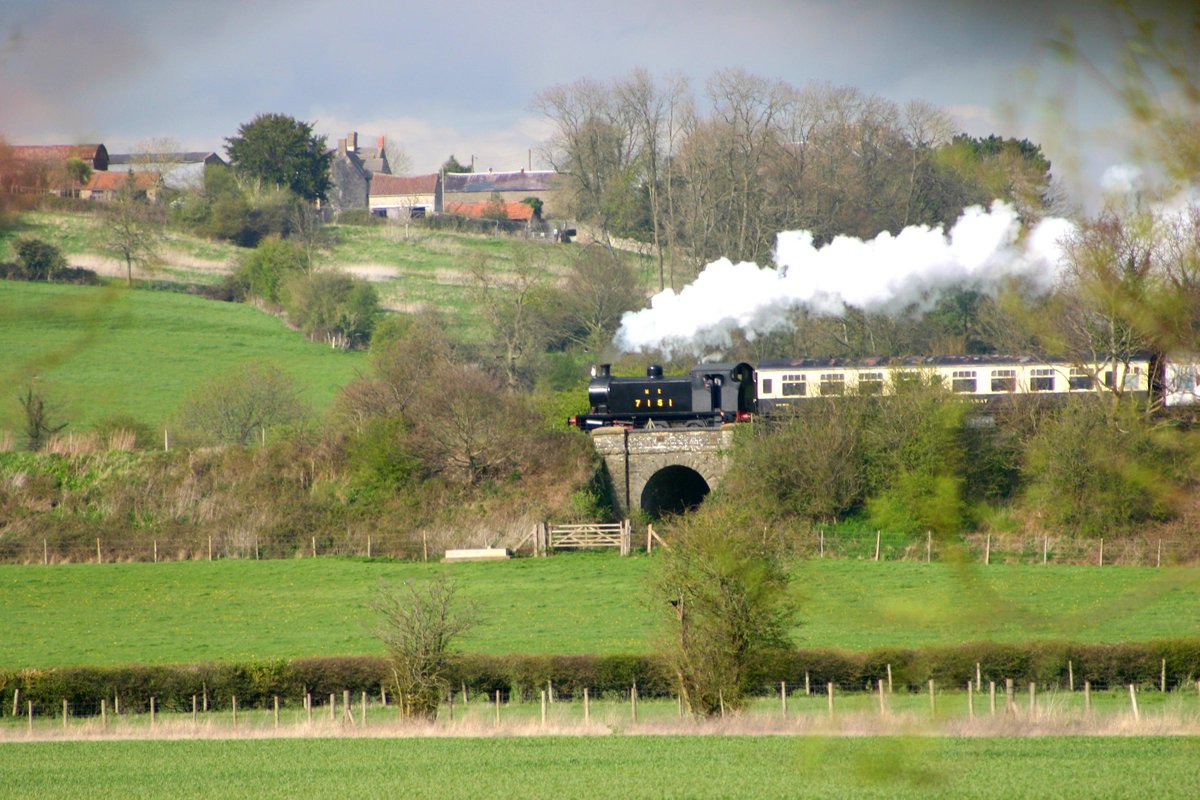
(193, 709)
(65, 714)
(987, 550)
(1070, 676)
(783, 697)
(932, 700)
(1133, 703)
(877, 535)
(332, 707)
(928, 546)
(308, 706)
(1045, 548)
(16, 699)
(882, 702)
(99, 558)
(1158, 558)
(497, 708)
(829, 693)
(978, 678)
(633, 698)
(822, 543)
(807, 689)
(1162, 681)
(992, 697)
(1009, 705)
(1087, 698)
(347, 712)
(45, 557)
(889, 676)
(970, 701)
(234, 698)
(156, 551)
(364, 708)
(587, 706)
(153, 710)
(29, 708)
(1032, 700)
(210, 548)
(543, 708)
(1100, 563)
(277, 712)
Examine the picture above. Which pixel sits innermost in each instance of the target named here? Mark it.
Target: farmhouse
(509, 187)
(404, 196)
(43, 168)
(178, 170)
(106, 185)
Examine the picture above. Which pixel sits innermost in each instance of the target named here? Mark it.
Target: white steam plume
(887, 273)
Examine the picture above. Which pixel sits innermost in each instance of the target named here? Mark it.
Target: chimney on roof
(352, 141)
(381, 143)
(342, 145)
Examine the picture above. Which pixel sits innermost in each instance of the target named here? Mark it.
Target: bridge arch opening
(673, 490)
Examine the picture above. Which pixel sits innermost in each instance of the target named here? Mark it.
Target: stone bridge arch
(663, 471)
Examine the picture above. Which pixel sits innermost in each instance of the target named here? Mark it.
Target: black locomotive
(710, 395)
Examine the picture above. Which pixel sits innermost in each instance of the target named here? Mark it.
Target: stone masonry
(635, 459)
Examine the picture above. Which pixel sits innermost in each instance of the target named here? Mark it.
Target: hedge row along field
(1054, 665)
(619, 767)
(589, 603)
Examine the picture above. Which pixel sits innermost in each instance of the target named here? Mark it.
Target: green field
(608, 767)
(99, 351)
(87, 614)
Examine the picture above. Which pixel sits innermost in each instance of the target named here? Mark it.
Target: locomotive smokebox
(654, 371)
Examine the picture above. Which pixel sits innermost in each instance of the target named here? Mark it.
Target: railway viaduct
(663, 471)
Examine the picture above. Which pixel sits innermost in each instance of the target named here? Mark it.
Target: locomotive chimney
(601, 370)
(654, 371)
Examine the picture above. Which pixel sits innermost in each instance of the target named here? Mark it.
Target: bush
(332, 307)
(265, 269)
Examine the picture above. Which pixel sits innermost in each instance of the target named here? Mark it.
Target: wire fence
(987, 549)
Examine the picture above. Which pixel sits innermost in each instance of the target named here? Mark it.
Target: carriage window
(1185, 378)
(906, 379)
(1109, 382)
(1132, 380)
(870, 383)
(833, 383)
(1041, 380)
(1004, 380)
(962, 380)
(1080, 380)
(766, 385)
(795, 385)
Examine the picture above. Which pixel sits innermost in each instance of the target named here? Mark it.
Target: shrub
(265, 269)
(39, 260)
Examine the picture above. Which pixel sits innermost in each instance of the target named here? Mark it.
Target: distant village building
(471, 188)
(107, 185)
(351, 170)
(43, 168)
(405, 196)
(178, 170)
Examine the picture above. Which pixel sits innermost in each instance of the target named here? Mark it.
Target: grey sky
(458, 77)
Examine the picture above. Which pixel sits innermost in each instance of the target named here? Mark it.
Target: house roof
(191, 157)
(512, 209)
(382, 184)
(113, 181)
(59, 152)
(520, 181)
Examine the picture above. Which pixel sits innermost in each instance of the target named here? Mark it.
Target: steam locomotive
(709, 396)
(713, 394)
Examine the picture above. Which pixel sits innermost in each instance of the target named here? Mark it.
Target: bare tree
(512, 302)
(131, 233)
(235, 407)
(419, 623)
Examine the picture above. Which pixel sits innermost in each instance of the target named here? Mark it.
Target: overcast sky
(458, 77)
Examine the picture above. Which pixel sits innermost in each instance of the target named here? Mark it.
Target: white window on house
(795, 385)
(870, 383)
(1004, 380)
(1041, 379)
(1080, 380)
(963, 381)
(833, 383)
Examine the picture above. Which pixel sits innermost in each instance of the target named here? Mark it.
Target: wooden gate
(580, 537)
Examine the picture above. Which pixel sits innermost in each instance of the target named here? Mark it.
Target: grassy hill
(85, 614)
(99, 351)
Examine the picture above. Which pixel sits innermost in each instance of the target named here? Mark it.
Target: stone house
(351, 170)
(106, 185)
